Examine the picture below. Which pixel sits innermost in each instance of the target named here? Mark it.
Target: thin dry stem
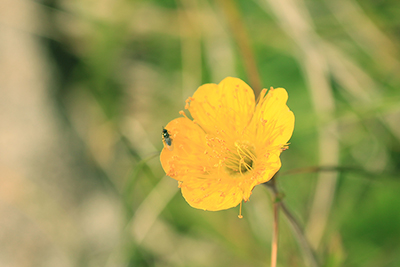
(275, 236)
(191, 47)
(239, 32)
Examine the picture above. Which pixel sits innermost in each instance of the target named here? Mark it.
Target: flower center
(240, 160)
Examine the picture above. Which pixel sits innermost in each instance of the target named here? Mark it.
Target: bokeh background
(86, 86)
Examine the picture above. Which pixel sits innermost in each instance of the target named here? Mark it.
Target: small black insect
(167, 138)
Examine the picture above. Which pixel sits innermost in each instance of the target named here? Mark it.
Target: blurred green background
(86, 87)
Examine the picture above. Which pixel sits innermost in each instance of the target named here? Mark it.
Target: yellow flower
(230, 146)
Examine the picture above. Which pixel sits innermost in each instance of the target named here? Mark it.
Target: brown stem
(240, 34)
(274, 249)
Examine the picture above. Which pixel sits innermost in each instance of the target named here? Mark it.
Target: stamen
(240, 216)
(249, 154)
(247, 166)
(187, 105)
(240, 165)
(183, 114)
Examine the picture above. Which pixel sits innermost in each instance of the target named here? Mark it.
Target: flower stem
(307, 251)
(274, 250)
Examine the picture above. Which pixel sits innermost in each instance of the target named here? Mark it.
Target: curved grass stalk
(306, 249)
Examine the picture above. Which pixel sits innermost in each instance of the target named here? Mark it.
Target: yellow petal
(211, 194)
(219, 192)
(273, 119)
(186, 158)
(269, 166)
(227, 107)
